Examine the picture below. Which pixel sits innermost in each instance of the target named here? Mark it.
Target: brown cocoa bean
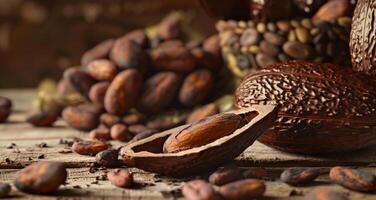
(299, 175)
(65, 88)
(325, 194)
(243, 189)
(203, 132)
(172, 56)
(100, 134)
(79, 80)
(225, 175)
(138, 36)
(255, 172)
(102, 50)
(137, 129)
(101, 70)
(143, 135)
(120, 132)
(353, 179)
(212, 45)
(123, 92)
(196, 87)
(41, 177)
(107, 158)
(109, 120)
(83, 117)
(42, 119)
(332, 10)
(97, 92)
(159, 91)
(162, 123)
(206, 59)
(5, 108)
(121, 178)
(198, 190)
(203, 112)
(170, 28)
(128, 54)
(91, 147)
(133, 118)
(5, 189)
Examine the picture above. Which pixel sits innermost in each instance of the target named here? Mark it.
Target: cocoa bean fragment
(225, 175)
(108, 158)
(120, 132)
(83, 117)
(109, 120)
(121, 178)
(42, 119)
(97, 92)
(196, 87)
(101, 70)
(128, 54)
(299, 175)
(100, 51)
(100, 134)
(123, 92)
(353, 179)
(5, 189)
(243, 189)
(198, 190)
(255, 172)
(91, 147)
(203, 112)
(325, 194)
(41, 177)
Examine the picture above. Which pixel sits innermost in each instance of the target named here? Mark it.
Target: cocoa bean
(97, 92)
(203, 112)
(255, 172)
(143, 135)
(325, 194)
(212, 45)
(5, 108)
(204, 59)
(41, 177)
(203, 132)
(102, 50)
(109, 120)
(137, 129)
(91, 147)
(196, 87)
(243, 189)
(170, 27)
(299, 175)
(225, 175)
(128, 54)
(332, 10)
(120, 132)
(83, 117)
(107, 158)
(5, 189)
(123, 92)
(162, 123)
(102, 70)
(42, 119)
(198, 190)
(353, 179)
(138, 36)
(121, 178)
(100, 134)
(133, 118)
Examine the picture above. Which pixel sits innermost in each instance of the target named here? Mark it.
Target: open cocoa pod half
(148, 154)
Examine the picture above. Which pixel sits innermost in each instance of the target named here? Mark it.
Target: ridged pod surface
(323, 108)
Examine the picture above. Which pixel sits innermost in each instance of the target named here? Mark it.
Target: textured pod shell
(323, 108)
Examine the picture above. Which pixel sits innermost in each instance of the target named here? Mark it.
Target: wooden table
(84, 183)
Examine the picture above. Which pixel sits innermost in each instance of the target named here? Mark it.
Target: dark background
(40, 38)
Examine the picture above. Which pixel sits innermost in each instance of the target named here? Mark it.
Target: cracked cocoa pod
(325, 194)
(121, 178)
(42, 119)
(225, 175)
(101, 70)
(100, 134)
(172, 56)
(100, 51)
(243, 189)
(299, 175)
(90, 148)
(139, 36)
(363, 37)
(196, 87)
(83, 117)
(147, 154)
(270, 10)
(159, 91)
(97, 92)
(128, 54)
(79, 80)
(123, 92)
(107, 158)
(320, 111)
(5, 108)
(353, 179)
(198, 189)
(203, 112)
(333, 10)
(41, 177)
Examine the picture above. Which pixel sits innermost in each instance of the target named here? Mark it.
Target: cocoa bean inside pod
(323, 107)
(148, 153)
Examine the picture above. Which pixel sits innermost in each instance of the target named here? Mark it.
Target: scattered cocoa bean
(107, 158)
(299, 175)
(243, 189)
(100, 134)
(89, 147)
(353, 179)
(101, 70)
(120, 132)
(128, 54)
(121, 178)
(123, 92)
(5, 108)
(133, 118)
(41, 177)
(42, 119)
(196, 87)
(225, 175)
(97, 92)
(255, 172)
(325, 194)
(198, 190)
(109, 120)
(203, 112)
(102, 50)
(83, 117)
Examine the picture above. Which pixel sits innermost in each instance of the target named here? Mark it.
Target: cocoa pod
(299, 175)
(172, 56)
(5, 108)
(325, 194)
(100, 134)
(109, 120)
(101, 70)
(198, 190)
(100, 51)
(159, 91)
(138, 36)
(123, 92)
(255, 172)
(5, 189)
(120, 132)
(42, 119)
(225, 175)
(83, 117)
(90, 148)
(128, 54)
(203, 132)
(97, 92)
(170, 28)
(41, 177)
(332, 10)
(203, 112)
(132, 119)
(196, 87)
(243, 189)
(121, 178)
(79, 80)
(353, 179)
(107, 158)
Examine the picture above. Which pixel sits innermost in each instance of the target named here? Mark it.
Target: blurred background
(41, 38)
